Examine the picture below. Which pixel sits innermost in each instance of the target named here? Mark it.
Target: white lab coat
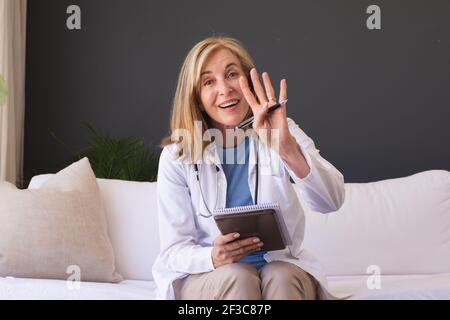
(187, 238)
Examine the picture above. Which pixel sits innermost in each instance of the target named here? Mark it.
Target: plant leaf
(124, 159)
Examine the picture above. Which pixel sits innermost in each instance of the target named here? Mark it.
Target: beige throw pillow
(57, 231)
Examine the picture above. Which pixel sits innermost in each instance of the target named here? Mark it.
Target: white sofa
(390, 240)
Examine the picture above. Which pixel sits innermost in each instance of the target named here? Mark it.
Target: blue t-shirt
(235, 166)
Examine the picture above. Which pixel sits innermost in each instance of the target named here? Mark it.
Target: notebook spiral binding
(248, 208)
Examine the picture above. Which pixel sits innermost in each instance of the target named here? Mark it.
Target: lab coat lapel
(252, 166)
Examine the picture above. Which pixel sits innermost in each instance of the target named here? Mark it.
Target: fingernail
(261, 244)
(256, 240)
(237, 235)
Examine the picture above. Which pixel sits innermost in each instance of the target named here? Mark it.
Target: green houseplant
(124, 159)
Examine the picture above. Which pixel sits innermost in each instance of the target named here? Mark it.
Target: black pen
(250, 120)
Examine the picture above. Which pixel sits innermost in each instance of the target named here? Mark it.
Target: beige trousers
(277, 280)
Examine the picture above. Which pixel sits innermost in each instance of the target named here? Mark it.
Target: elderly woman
(218, 88)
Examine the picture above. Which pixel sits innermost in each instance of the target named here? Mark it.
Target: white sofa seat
(394, 287)
(38, 289)
(402, 226)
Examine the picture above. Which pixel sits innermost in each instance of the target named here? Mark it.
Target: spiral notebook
(262, 220)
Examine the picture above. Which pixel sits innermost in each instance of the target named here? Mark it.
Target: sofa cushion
(132, 224)
(58, 231)
(397, 226)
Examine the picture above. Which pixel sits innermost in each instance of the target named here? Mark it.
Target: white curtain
(12, 68)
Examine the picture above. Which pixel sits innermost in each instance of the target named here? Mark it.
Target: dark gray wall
(375, 102)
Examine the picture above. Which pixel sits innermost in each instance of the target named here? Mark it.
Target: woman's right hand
(229, 250)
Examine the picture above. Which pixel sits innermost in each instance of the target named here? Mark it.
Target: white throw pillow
(58, 230)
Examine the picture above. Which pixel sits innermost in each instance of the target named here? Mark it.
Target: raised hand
(265, 122)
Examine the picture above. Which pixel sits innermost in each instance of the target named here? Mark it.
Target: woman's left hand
(275, 120)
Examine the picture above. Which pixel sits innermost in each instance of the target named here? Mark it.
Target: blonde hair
(186, 102)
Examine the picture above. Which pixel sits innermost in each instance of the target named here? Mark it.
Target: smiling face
(220, 94)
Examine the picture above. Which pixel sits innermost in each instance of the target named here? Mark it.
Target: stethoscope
(197, 173)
